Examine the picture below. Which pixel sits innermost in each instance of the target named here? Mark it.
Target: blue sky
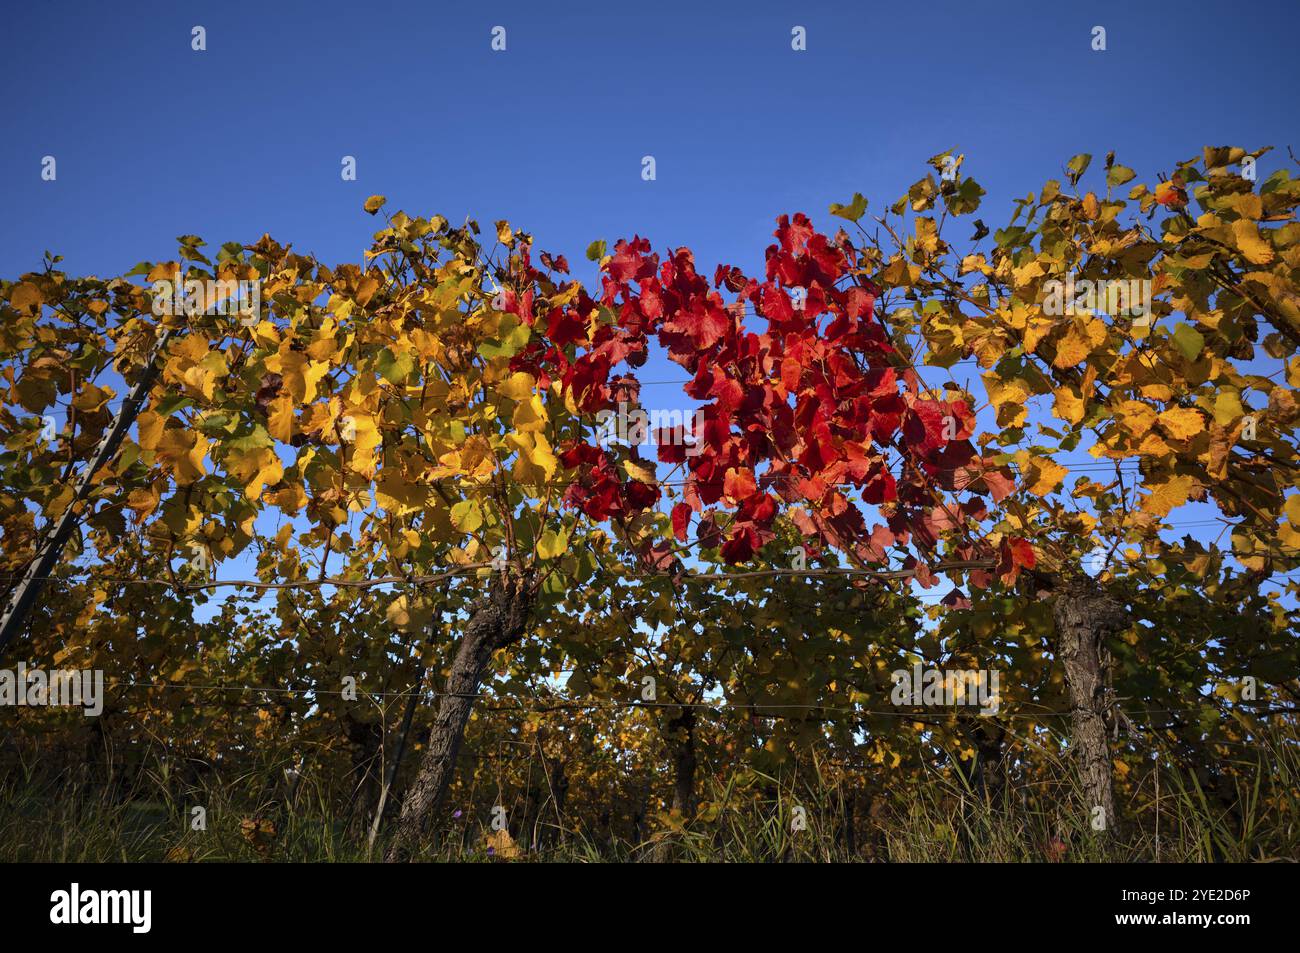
(153, 139)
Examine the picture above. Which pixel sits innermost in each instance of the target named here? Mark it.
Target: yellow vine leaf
(1138, 418)
(301, 374)
(552, 544)
(535, 463)
(279, 422)
(1069, 405)
(1181, 423)
(149, 427)
(518, 386)
(1043, 476)
(1081, 337)
(1168, 495)
(362, 437)
(503, 845)
(255, 469)
(639, 472)
(184, 451)
(467, 516)
(530, 415)
(1255, 249)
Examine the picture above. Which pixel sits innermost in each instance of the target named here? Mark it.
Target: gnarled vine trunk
(1085, 617)
(679, 736)
(496, 621)
(681, 739)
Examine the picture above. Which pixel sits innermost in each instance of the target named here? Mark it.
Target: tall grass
(259, 816)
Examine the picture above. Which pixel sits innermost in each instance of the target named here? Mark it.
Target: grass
(749, 817)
